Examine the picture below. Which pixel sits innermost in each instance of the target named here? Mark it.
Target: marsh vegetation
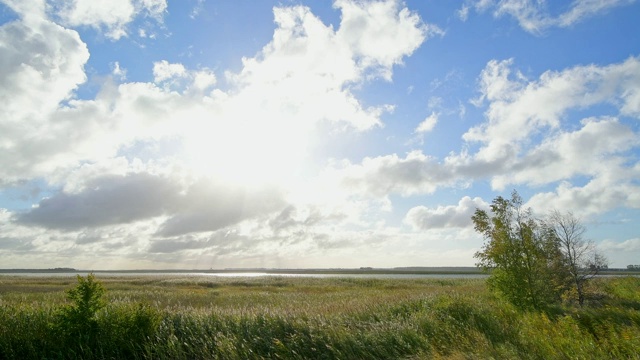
(161, 317)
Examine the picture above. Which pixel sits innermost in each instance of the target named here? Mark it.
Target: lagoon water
(244, 274)
(252, 274)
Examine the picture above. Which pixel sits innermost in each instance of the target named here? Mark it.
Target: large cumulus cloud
(511, 148)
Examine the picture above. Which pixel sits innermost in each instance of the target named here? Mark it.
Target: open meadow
(172, 317)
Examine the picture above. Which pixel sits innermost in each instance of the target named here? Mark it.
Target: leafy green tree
(520, 259)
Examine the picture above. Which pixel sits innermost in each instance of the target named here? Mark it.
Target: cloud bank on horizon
(159, 134)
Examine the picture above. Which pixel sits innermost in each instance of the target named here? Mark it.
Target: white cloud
(197, 8)
(533, 16)
(519, 111)
(415, 174)
(630, 245)
(31, 87)
(621, 253)
(256, 129)
(428, 124)
(306, 60)
(583, 9)
(163, 71)
(422, 218)
(513, 150)
(519, 108)
(309, 60)
(596, 149)
(380, 33)
(176, 76)
(204, 79)
(112, 16)
(92, 130)
(463, 12)
(530, 14)
(119, 72)
(598, 196)
(34, 84)
(153, 8)
(28, 9)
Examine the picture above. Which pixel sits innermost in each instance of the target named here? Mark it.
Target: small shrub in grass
(77, 321)
(89, 328)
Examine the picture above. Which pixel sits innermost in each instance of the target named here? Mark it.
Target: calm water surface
(267, 274)
(252, 274)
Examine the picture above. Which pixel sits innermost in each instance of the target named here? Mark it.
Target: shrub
(78, 319)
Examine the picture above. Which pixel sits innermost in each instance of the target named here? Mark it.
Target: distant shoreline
(407, 270)
(400, 270)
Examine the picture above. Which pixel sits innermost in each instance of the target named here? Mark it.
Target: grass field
(160, 317)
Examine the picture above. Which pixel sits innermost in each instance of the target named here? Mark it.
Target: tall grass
(310, 318)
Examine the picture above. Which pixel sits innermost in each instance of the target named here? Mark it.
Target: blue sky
(210, 134)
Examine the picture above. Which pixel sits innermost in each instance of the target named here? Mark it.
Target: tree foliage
(534, 262)
(520, 257)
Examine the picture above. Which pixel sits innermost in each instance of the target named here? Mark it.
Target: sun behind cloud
(260, 129)
(246, 146)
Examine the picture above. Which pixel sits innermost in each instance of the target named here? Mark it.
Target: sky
(199, 134)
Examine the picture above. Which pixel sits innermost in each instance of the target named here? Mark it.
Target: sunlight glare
(247, 146)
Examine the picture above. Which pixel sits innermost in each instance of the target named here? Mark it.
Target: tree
(580, 259)
(78, 319)
(520, 257)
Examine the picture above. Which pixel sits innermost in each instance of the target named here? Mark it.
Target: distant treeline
(38, 270)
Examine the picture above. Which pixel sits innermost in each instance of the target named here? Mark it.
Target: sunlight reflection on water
(254, 274)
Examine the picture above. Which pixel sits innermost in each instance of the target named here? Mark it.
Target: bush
(89, 328)
(77, 322)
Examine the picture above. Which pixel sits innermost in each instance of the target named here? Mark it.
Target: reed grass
(162, 317)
